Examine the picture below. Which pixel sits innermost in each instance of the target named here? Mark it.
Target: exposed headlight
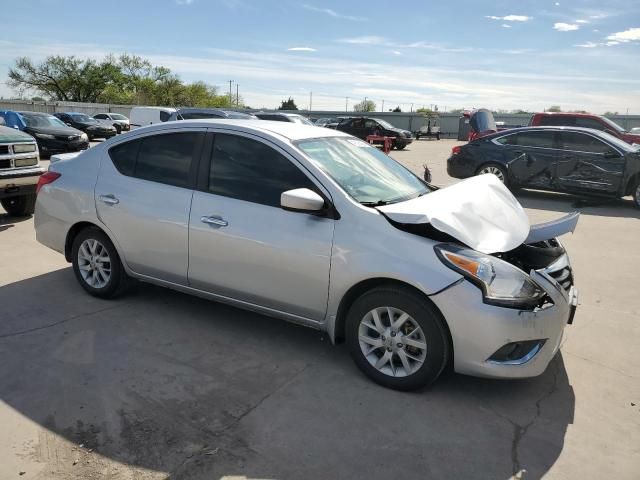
(501, 283)
(24, 148)
(84, 137)
(45, 135)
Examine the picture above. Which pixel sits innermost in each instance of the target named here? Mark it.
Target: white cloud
(611, 43)
(365, 40)
(557, 4)
(588, 45)
(506, 25)
(510, 18)
(333, 13)
(396, 52)
(301, 49)
(565, 27)
(184, 2)
(630, 35)
(582, 21)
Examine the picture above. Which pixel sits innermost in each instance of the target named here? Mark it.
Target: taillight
(456, 150)
(46, 178)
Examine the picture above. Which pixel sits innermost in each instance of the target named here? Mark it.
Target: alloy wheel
(392, 341)
(94, 263)
(493, 170)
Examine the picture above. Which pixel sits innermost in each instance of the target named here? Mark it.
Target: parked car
(585, 120)
(316, 227)
(92, 127)
(566, 159)
(116, 120)
(51, 134)
(202, 113)
(19, 171)
(362, 127)
(323, 122)
(284, 117)
(143, 116)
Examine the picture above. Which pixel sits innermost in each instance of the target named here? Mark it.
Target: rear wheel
(19, 206)
(494, 169)
(96, 264)
(397, 338)
(118, 128)
(399, 145)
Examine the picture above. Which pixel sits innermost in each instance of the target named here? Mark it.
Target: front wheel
(19, 206)
(397, 338)
(400, 145)
(97, 265)
(118, 129)
(494, 169)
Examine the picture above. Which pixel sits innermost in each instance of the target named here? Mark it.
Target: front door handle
(212, 220)
(109, 199)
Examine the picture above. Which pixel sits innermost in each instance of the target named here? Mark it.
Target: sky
(527, 54)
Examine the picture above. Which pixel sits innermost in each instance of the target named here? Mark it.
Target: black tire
(118, 280)
(636, 194)
(399, 145)
(118, 129)
(20, 206)
(423, 313)
(502, 170)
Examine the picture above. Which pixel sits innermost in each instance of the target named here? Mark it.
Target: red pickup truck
(586, 120)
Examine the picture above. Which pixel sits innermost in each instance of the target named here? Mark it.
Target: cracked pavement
(160, 385)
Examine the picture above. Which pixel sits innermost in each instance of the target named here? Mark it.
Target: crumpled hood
(479, 211)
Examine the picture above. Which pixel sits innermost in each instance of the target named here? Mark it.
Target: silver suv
(319, 228)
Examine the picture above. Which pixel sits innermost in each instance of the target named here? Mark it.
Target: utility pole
(382, 106)
(230, 97)
(364, 105)
(310, 101)
(412, 107)
(346, 104)
(237, 95)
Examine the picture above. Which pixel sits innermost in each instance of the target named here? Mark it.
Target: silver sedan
(316, 227)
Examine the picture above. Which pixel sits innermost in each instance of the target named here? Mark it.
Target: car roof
(568, 114)
(42, 114)
(74, 113)
(289, 130)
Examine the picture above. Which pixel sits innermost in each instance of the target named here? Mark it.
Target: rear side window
(164, 116)
(589, 123)
(580, 142)
(529, 139)
(249, 170)
(164, 158)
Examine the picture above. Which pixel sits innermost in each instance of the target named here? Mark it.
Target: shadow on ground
(561, 202)
(198, 390)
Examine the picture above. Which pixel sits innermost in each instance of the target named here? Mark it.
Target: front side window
(163, 158)
(364, 172)
(249, 170)
(589, 123)
(580, 142)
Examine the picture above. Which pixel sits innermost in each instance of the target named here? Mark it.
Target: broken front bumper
(479, 330)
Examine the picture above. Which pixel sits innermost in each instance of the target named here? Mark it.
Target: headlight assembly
(45, 135)
(501, 283)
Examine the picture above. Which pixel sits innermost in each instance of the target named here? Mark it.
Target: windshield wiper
(378, 203)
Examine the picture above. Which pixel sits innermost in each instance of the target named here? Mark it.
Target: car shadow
(10, 220)
(176, 384)
(562, 202)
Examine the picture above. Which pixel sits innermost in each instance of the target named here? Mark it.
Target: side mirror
(301, 200)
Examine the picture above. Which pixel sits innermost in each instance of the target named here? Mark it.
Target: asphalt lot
(160, 385)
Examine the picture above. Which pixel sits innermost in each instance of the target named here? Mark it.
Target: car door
(588, 163)
(143, 196)
(531, 157)
(243, 245)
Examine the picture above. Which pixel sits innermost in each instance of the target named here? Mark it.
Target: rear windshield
(81, 117)
(117, 116)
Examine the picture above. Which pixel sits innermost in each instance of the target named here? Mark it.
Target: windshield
(363, 171)
(613, 125)
(82, 118)
(300, 119)
(117, 116)
(42, 121)
(384, 123)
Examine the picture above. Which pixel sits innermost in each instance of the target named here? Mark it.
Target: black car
(362, 127)
(564, 159)
(92, 127)
(200, 113)
(51, 134)
(284, 117)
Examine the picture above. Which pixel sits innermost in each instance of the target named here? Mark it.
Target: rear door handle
(213, 220)
(109, 199)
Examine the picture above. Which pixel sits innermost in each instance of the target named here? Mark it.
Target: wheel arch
(633, 181)
(364, 286)
(76, 228)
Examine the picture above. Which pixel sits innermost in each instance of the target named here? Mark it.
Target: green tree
(365, 106)
(427, 111)
(456, 110)
(610, 114)
(288, 105)
(554, 108)
(397, 109)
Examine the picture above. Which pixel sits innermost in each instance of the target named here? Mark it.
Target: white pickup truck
(19, 171)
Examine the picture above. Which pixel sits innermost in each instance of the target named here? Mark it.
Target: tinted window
(101, 116)
(249, 170)
(168, 158)
(583, 143)
(557, 120)
(368, 123)
(529, 139)
(124, 156)
(164, 116)
(196, 115)
(589, 123)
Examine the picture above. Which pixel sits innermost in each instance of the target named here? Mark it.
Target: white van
(142, 116)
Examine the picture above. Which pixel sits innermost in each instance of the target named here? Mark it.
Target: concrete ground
(160, 385)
